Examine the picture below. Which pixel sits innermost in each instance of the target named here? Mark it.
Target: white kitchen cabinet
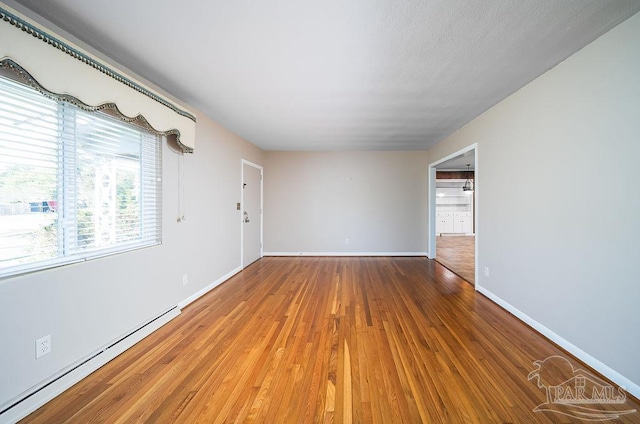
(462, 222)
(454, 223)
(444, 222)
(454, 208)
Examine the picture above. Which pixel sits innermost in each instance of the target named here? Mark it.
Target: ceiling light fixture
(468, 186)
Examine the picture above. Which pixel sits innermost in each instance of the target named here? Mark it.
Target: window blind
(73, 184)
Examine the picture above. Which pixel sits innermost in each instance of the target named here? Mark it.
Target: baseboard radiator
(37, 396)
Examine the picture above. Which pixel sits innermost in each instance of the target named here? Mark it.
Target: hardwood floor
(296, 340)
(458, 254)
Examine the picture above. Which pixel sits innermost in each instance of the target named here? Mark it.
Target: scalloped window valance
(59, 68)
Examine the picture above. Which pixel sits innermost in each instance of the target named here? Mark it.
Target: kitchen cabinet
(462, 222)
(454, 208)
(454, 223)
(444, 222)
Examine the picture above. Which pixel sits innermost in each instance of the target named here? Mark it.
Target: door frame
(244, 163)
(431, 248)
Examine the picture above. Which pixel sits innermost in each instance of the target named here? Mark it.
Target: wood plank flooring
(458, 254)
(321, 340)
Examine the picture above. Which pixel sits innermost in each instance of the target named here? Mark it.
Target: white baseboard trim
(345, 254)
(66, 378)
(208, 288)
(611, 374)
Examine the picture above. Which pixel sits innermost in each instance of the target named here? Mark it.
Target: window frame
(150, 161)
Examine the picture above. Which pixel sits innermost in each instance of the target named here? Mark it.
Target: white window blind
(73, 184)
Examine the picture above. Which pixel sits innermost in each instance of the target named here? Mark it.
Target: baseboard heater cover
(52, 387)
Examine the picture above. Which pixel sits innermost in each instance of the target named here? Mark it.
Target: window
(73, 184)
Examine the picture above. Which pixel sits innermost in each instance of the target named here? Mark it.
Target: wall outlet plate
(185, 279)
(43, 346)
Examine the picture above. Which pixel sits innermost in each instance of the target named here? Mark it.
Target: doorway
(251, 217)
(453, 214)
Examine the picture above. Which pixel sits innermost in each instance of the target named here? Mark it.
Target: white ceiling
(336, 74)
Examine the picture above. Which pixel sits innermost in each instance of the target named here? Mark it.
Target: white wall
(560, 240)
(558, 212)
(314, 201)
(88, 305)
(85, 306)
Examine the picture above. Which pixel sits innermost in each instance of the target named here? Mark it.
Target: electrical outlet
(346, 241)
(486, 271)
(43, 346)
(185, 279)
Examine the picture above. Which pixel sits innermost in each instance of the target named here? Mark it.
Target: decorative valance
(57, 67)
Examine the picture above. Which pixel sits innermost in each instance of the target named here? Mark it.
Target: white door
(251, 207)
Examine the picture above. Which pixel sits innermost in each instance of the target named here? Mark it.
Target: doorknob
(245, 216)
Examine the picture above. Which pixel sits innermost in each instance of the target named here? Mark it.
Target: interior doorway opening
(453, 212)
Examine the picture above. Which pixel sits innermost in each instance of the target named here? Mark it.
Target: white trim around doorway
(431, 247)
